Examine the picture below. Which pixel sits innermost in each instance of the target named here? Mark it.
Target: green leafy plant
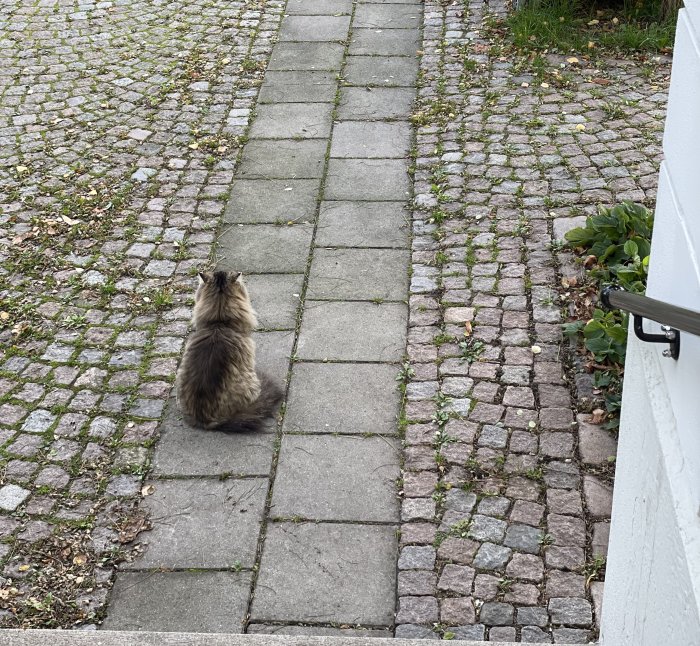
(610, 383)
(471, 349)
(406, 373)
(605, 335)
(593, 569)
(618, 241)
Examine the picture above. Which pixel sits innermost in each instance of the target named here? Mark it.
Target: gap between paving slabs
(316, 219)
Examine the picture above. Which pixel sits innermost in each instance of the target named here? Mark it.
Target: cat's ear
(238, 278)
(203, 278)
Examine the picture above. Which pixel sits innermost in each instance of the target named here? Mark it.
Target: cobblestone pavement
(507, 493)
(120, 125)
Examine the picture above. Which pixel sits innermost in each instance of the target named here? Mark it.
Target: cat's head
(222, 282)
(222, 296)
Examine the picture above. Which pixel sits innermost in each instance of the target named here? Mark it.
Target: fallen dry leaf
(147, 490)
(132, 528)
(69, 221)
(22, 237)
(598, 416)
(468, 329)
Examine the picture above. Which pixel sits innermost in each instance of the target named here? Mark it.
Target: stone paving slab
(298, 87)
(378, 16)
(283, 159)
(362, 224)
(265, 248)
(263, 629)
(322, 477)
(318, 7)
(292, 120)
(381, 71)
(375, 103)
(381, 42)
(133, 638)
(364, 139)
(273, 353)
(321, 28)
(367, 179)
(342, 398)
(180, 601)
(307, 56)
(327, 573)
(272, 201)
(190, 530)
(359, 274)
(184, 451)
(275, 299)
(342, 331)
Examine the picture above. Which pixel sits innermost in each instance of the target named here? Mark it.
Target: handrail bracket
(670, 336)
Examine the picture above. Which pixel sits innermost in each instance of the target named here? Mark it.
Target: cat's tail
(265, 406)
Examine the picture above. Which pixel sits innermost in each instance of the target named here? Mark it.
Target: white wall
(652, 588)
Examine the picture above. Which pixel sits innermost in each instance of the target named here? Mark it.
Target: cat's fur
(218, 386)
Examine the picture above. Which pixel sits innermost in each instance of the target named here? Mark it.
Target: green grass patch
(577, 26)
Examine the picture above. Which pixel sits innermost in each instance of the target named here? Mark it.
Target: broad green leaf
(631, 249)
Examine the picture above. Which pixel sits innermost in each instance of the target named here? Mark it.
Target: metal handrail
(671, 317)
(665, 313)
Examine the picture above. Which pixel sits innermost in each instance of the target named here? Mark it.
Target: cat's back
(216, 350)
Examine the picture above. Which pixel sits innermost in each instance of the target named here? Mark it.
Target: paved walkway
(299, 525)
(121, 126)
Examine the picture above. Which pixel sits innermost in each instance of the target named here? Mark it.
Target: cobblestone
(491, 557)
(117, 152)
(501, 172)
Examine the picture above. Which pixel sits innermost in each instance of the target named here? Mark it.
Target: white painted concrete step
(127, 638)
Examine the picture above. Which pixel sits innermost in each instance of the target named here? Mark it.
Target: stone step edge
(11, 637)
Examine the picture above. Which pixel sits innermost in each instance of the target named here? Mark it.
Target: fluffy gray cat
(218, 386)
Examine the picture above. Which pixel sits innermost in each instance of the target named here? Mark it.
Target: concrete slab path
(297, 526)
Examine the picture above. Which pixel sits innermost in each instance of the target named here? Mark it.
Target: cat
(218, 387)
